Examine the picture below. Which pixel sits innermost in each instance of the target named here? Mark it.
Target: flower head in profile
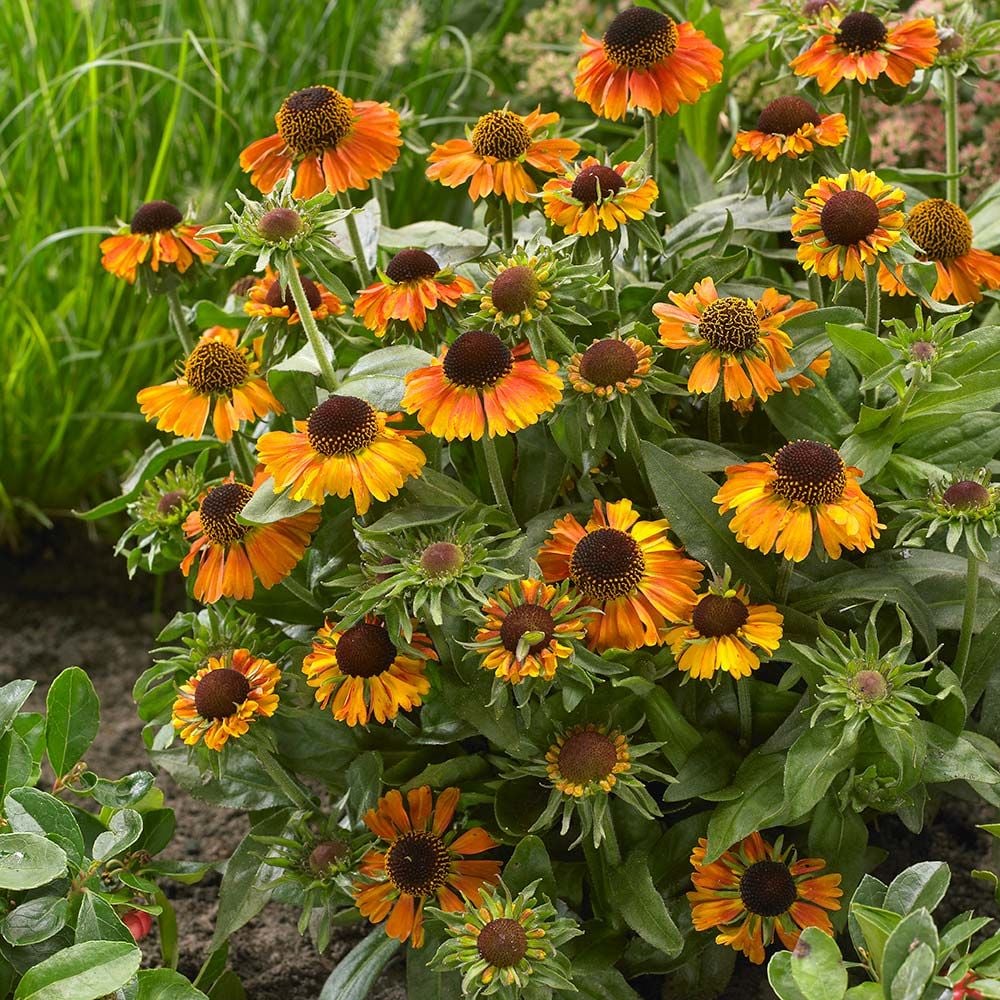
(626, 568)
(329, 141)
(231, 556)
(268, 299)
(645, 60)
(495, 153)
(219, 380)
(942, 233)
(412, 284)
(157, 235)
(757, 890)
(610, 367)
(846, 223)
(479, 386)
(224, 697)
(360, 673)
(738, 340)
(421, 859)
(789, 127)
(593, 196)
(345, 448)
(803, 490)
(860, 46)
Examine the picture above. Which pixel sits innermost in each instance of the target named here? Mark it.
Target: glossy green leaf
(98, 921)
(12, 696)
(36, 920)
(124, 829)
(165, 984)
(357, 971)
(81, 972)
(266, 506)
(30, 810)
(921, 885)
(642, 907)
(73, 714)
(817, 967)
(28, 860)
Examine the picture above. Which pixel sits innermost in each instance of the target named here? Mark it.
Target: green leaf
(642, 907)
(779, 975)
(266, 506)
(165, 984)
(870, 892)
(73, 715)
(539, 473)
(813, 761)
(123, 791)
(378, 376)
(98, 921)
(954, 758)
(816, 966)
(757, 803)
(429, 984)
(34, 921)
(915, 975)
(914, 929)
(16, 764)
(876, 925)
(12, 696)
(356, 973)
(30, 810)
(530, 861)
(123, 831)
(27, 861)
(922, 885)
(984, 654)
(863, 349)
(81, 972)
(208, 314)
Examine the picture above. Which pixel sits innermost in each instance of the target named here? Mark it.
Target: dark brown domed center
(365, 650)
(220, 692)
(940, 228)
(215, 367)
(849, 217)
(527, 618)
(314, 119)
(417, 863)
(502, 943)
(966, 494)
(587, 755)
(809, 472)
(594, 185)
(477, 359)
(861, 32)
(640, 37)
(327, 856)
(607, 563)
(155, 217)
(500, 134)
(514, 289)
(280, 224)
(219, 509)
(342, 425)
(409, 265)
(767, 888)
(608, 362)
(276, 298)
(730, 325)
(715, 615)
(786, 115)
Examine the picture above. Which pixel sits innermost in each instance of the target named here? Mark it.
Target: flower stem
(715, 414)
(951, 134)
(816, 289)
(507, 222)
(852, 112)
(291, 789)
(652, 143)
(496, 474)
(873, 299)
(968, 615)
(241, 459)
(177, 320)
(316, 339)
(745, 711)
(360, 264)
(784, 579)
(608, 261)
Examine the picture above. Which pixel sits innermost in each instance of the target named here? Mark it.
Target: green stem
(177, 320)
(745, 711)
(309, 324)
(951, 134)
(873, 299)
(292, 790)
(360, 264)
(852, 112)
(816, 289)
(610, 849)
(784, 580)
(239, 455)
(651, 133)
(715, 414)
(507, 222)
(496, 474)
(302, 593)
(608, 262)
(968, 615)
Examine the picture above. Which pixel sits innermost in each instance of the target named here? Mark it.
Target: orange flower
(859, 46)
(738, 339)
(359, 673)
(157, 231)
(756, 890)
(266, 300)
(218, 378)
(331, 142)
(233, 555)
(789, 127)
(943, 233)
(345, 447)
(478, 385)
(411, 284)
(646, 60)
(610, 367)
(626, 568)
(592, 196)
(804, 488)
(495, 152)
(420, 861)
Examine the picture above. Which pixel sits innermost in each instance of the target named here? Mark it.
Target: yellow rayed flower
(587, 759)
(593, 196)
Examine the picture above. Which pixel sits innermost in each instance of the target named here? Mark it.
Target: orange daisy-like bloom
(720, 632)
(494, 153)
(267, 300)
(755, 890)
(157, 232)
(610, 367)
(224, 697)
(626, 568)
(359, 674)
(411, 284)
(345, 447)
(232, 555)
(218, 378)
(331, 142)
(943, 233)
(587, 759)
(594, 196)
(739, 340)
(843, 224)
(646, 60)
(860, 46)
(421, 860)
(480, 386)
(804, 487)
(526, 631)
(790, 127)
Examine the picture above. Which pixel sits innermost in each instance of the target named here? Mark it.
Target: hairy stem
(784, 580)
(852, 111)
(608, 262)
(873, 299)
(651, 134)
(715, 414)
(496, 474)
(360, 264)
(816, 289)
(289, 787)
(968, 615)
(745, 711)
(507, 222)
(177, 320)
(309, 324)
(951, 135)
